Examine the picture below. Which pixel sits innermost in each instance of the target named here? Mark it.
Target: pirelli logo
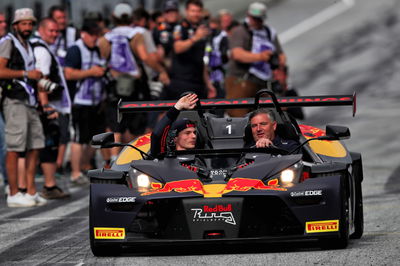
(109, 233)
(322, 226)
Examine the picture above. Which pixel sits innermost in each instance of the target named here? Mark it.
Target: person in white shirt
(68, 34)
(55, 102)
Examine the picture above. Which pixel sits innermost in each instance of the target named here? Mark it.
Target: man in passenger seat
(186, 132)
(263, 128)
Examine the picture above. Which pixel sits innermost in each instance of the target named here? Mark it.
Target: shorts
(23, 130)
(87, 121)
(65, 134)
(134, 122)
(48, 155)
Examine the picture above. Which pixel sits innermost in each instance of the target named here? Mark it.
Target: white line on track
(316, 20)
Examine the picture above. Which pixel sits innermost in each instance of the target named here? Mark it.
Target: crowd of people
(61, 85)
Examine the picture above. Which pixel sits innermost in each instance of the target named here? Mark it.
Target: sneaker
(54, 193)
(19, 200)
(39, 201)
(80, 181)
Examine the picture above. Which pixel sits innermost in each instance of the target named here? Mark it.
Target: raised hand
(187, 102)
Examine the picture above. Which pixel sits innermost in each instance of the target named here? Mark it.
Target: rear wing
(248, 103)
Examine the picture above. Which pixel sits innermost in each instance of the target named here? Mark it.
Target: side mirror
(337, 132)
(104, 140)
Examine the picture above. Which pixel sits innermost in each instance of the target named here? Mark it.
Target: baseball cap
(257, 10)
(23, 14)
(170, 5)
(182, 124)
(122, 9)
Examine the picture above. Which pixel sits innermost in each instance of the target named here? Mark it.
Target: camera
(51, 129)
(49, 86)
(108, 77)
(276, 87)
(274, 61)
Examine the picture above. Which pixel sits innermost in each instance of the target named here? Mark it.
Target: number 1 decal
(229, 127)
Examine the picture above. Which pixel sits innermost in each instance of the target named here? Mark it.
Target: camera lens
(48, 85)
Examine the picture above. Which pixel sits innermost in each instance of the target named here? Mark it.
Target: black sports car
(223, 192)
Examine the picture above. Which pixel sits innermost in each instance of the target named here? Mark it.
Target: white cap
(122, 9)
(257, 10)
(23, 14)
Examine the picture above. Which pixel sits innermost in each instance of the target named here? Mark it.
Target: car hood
(170, 169)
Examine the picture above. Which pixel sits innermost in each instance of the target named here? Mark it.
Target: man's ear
(274, 125)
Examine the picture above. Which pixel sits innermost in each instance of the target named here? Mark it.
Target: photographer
(128, 53)
(163, 34)
(83, 67)
(55, 102)
(67, 34)
(255, 52)
(188, 69)
(24, 132)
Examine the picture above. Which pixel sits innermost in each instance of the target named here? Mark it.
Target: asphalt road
(356, 50)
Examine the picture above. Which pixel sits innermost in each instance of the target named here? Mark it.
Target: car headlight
(143, 182)
(290, 175)
(287, 176)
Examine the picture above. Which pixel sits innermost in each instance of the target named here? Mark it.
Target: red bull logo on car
(323, 147)
(189, 185)
(214, 190)
(218, 208)
(245, 184)
(218, 212)
(311, 132)
(143, 140)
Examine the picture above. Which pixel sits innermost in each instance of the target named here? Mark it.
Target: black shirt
(163, 35)
(189, 65)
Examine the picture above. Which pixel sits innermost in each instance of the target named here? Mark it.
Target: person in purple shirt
(84, 66)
